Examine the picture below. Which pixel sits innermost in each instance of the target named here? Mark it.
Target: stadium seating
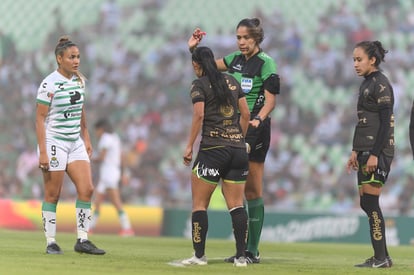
(30, 23)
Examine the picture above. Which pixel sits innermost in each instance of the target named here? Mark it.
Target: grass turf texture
(23, 252)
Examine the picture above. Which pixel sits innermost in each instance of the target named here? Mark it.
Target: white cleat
(240, 262)
(195, 261)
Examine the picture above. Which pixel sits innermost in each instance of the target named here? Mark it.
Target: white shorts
(61, 153)
(109, 177)
(107, 183)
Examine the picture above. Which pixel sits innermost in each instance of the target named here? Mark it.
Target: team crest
(54, 162)
(227, 111)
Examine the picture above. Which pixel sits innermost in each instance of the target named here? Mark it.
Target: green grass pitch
(23, 252)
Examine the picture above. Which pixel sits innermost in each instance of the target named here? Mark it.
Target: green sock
(256, 215)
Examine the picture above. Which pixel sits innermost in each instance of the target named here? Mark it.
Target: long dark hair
(205, 58)
(373, 49)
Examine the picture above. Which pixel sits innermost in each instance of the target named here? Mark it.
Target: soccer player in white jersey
(64, 145)
(109, 157)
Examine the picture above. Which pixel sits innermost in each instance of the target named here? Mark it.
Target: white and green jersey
(65, 98)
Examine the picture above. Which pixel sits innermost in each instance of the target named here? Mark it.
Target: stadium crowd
(146, 95)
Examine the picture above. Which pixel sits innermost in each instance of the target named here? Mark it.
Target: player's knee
(369, 203)
(252, 193)
(86, 193)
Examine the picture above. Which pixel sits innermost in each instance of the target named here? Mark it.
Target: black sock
(370, 204)
(199, 221)
(239, 221)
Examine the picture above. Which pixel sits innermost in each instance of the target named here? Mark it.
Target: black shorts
(259, 141)
(381, 173)
(221, 162)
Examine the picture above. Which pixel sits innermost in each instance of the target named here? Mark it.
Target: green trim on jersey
(251, 75)
(66, 119)
(66, 104)
(42, 102)
(66, 126)
(71, 88)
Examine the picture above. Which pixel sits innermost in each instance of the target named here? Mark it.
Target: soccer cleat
(88, 247)
(374, 263)
(230, 259)
(195, 261)
(240, 262)
(53, 248)
(250, 259)
(390, 263)
(126, 233)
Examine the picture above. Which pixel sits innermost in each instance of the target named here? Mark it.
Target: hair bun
(63, 39)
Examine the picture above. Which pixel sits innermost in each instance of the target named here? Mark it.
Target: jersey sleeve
(229, 58)
(45, 93)
(385, 100)
(271, 80)
(197, 93)
(384, 94)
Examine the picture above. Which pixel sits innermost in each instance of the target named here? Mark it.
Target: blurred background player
(109, 157)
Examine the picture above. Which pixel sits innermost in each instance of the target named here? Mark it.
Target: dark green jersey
(254, 75)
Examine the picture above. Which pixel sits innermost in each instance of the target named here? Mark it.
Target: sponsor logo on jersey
(237, 67)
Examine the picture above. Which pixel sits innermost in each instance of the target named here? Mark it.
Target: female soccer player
(373, 143)
(217, 99)
(256, 73)
(64, 145)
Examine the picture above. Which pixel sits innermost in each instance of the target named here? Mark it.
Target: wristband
(258, 118)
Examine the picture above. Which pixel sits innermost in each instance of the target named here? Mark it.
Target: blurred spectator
(145, 84)
(8, 51)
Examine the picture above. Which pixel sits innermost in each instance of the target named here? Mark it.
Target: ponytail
(205, 58)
